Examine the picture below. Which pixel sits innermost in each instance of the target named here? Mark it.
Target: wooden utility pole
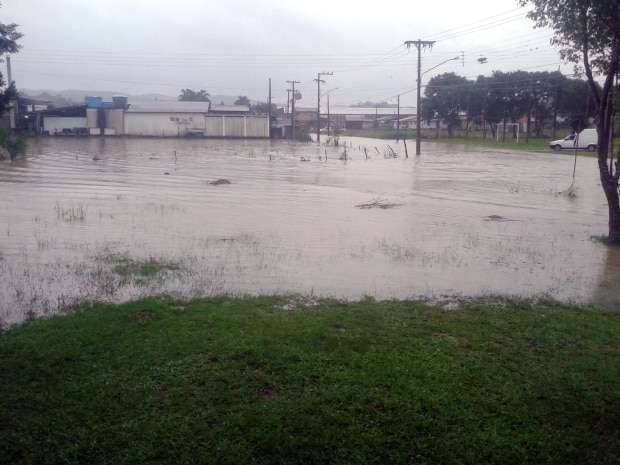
(328, 116)
(9, 73)
(288, 100)
(397, 117)
(318, 103)
(292, 83)
(269, 112)
(528, 121)
(419, 44)
(556, 102)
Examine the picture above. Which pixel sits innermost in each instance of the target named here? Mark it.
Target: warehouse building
(64, 121)
(156, 119)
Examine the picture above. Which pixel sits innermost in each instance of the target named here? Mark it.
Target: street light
(418, 142)
(318, 102)
(442, 63)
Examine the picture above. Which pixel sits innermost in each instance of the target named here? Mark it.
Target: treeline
(486, 102)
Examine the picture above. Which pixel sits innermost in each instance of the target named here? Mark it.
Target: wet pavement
(455, 221)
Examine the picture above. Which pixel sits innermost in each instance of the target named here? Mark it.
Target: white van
(588, 138)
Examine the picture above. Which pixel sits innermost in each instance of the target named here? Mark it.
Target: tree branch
(586, 59)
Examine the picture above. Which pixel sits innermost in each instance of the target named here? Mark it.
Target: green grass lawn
(280, 381)
(534, 144)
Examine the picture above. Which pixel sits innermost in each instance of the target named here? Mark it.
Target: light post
(418, 108)
(327, 92)
(318, 102)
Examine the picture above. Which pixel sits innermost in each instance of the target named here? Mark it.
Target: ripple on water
(283, 225)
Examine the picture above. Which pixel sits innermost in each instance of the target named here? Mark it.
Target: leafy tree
(446, 96)
(263, 108)
(189, 95)
(8, 44)
(588, 32)
(242, 100)
(574, 102)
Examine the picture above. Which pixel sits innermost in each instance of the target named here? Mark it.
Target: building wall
(54, 124)
(91, 118)
(163, 124)
(115, 119)
(214, 126)
(237, 126)
(234, 126)
(257, 126)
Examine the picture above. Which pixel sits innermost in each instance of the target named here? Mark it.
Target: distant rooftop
(361, 111)
(173, 106)
(176, 106)
(342, 110)
(230, 108)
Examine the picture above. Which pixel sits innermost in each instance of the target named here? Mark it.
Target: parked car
(586, 139)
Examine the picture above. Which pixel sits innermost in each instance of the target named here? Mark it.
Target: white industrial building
(156, 119)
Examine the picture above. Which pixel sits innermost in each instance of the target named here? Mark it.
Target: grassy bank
(534, 144)
(286, 381)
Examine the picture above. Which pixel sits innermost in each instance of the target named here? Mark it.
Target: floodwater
(452, 222)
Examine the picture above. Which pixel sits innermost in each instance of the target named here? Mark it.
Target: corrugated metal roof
(370, 111)
(163, 106)
(230, 108)
(168, 107)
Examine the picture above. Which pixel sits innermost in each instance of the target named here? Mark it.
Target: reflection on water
(463, 222)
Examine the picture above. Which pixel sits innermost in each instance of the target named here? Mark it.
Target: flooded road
(455, 221)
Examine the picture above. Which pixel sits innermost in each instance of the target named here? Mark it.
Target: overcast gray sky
(233, 47)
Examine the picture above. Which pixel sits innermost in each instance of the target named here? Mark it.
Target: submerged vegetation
(126, 267)
(14, 145)
(303, 381)
(303, 135)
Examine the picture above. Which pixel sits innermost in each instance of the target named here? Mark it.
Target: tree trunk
(610, 187)
(608, 172)
(609, 181)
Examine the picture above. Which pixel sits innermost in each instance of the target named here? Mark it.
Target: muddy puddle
(117, 219)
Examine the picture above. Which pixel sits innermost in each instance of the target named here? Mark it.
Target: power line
(434, 36)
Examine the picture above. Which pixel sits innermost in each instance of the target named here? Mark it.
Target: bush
(13, 144)
(302, 135)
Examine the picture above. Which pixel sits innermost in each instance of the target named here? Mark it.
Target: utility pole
(328, 116)
(292, 83)
(398, 117)
(528, 121)
(9, 74)
(288, 100)
(269, 112)
(318, 103)
(556, 102)
(419, 44)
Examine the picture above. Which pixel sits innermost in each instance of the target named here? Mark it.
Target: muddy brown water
(455, 221)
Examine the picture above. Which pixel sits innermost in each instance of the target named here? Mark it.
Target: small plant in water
(601, 239)
(126, 267)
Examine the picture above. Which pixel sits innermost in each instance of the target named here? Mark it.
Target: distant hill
(74, 96)
(77, 96)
